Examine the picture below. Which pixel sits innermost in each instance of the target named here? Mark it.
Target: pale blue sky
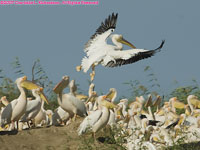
(57, 34)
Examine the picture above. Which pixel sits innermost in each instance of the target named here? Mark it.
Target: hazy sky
(57, 34)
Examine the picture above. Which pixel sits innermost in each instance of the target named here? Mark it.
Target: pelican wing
(130, 56)
(7, 113)
(89, 121)
(101, 34)
(32, 109)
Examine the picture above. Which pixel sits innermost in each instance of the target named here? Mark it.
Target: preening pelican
(69, 102)
(16, 108)
(98, 119)
(60, 116)
(99, 52)
(112, 94)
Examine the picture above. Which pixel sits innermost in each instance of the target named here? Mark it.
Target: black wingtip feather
(109, 23)
(137, 57)
(161, 45)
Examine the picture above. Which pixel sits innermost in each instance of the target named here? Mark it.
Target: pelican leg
(93, 72)
(28, 124)
(74, 118)
(17, 125)
(78, 68)
(12, 126)
(94, 136)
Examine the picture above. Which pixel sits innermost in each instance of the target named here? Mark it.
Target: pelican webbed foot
(78, 68)
(74, 118)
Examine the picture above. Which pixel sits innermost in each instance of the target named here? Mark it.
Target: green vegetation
(39, 76)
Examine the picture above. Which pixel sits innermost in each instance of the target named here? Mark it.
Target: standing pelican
(33, 107)
(98, 119)
(41, 116)
(16, 108)
(98, 51)
(69, 102)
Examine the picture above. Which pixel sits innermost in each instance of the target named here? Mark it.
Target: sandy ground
(53, 138)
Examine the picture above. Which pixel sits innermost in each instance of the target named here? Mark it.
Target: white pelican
(112, 94)
(41, 116)
(73, 90)
(16, 108)
(174, 103)
(60, 116)
(124, 104)
(33, 106)
(193, 102)
(98, 51)
(69, 102)
(98, 119)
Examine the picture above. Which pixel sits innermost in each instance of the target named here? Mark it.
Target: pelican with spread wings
(98, 51)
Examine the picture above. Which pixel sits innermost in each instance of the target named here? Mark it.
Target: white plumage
(33, 106)
(98, 119)
(60, 116)
(17, 107)
(69, 102)
(99, 51)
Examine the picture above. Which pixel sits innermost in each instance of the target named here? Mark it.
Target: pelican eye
(112, 30)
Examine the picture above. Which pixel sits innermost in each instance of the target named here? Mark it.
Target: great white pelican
(98, 51)
(33, 107)
(98, 119)
(16, 108)
(69, 102)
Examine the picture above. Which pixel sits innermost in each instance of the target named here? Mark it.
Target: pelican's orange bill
(44, 97)
(29, 85)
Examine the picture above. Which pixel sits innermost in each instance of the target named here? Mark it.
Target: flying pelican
(99, 52)
(33, 107)
(16, 108)
(69, 102)
(98, 119)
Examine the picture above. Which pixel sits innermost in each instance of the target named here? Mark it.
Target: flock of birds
(145, 129)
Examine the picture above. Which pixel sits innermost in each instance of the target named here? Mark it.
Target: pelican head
(119, 38)
(103, 102)
(192, 97)
(39, 91)
(177, 104)
(19, 80)
(72, 83)
(112, 94)
(62, 84)
(29, 85)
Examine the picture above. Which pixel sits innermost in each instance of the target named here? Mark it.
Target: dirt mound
(54, 138)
